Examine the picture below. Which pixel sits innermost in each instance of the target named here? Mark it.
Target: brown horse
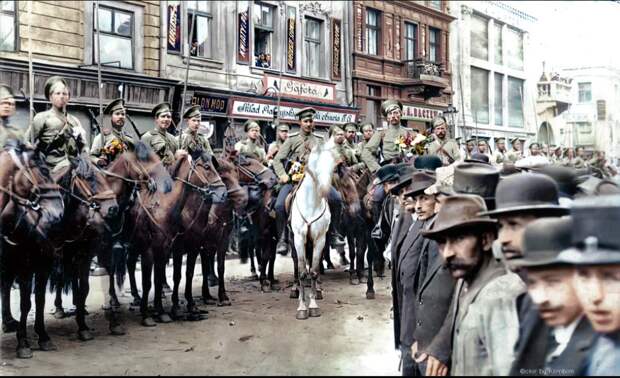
(370, 214)
(32, 209)
(89, 205)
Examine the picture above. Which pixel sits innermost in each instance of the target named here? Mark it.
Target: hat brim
(437, 233)
(539, 259)
(400, 185)
(575, 256)
(555, 209)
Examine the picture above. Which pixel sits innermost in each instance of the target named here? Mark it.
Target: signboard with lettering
(243, 32)
(419, 113)
(336, 49)
(174, 27)
(258, 110)
(291, 40)
(211, 104)
(302, 89)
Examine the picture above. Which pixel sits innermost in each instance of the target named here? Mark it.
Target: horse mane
(143, 151)
(84, 169)
(174, 170)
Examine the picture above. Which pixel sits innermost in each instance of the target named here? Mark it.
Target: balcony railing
(422, 69)
(554, 91)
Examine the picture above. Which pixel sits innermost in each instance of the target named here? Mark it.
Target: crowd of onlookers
(262, 60)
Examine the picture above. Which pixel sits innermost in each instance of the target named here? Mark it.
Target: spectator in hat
(483, 148)
(445, 148)
(555, 336)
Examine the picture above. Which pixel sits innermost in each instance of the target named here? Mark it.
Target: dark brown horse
(370, 215)
(32, 210)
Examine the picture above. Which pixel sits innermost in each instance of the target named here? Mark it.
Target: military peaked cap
(193, 111)
(304, 113)
(389, 105)
(118, 104)
(51, 82)
(164, 107)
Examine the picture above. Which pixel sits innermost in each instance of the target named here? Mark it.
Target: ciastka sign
(302, 89)
(256, 110)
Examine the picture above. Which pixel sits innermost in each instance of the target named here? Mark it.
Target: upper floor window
(263, 18)
(201, 45)
(433, 45)
(116, 35)
(514, 48)
(515, 102)
(585, 92)
(436, 4)
(497, 43)
(479, 37)
(372, 32)
(8, 17)
(411, 40)
(312, 45)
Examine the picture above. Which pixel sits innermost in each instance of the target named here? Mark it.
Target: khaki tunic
(249, 148)
(575, 162)
(514, 156)
(297, 147)
(102, 140)
(499, 157)
(192, 141)
(384, 140)
(59, 137)
(8, 131)
(273, 148)
(163, 143)
(450, 150)
(347, 153)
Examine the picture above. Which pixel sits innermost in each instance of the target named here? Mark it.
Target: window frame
(209, 15)
(271, 29)
(114, 34)
(474, 17)
(499, 75)
(521, 103)
(437, 34)
(319, 42)
(415, 40)
(520, 49)
(430, 3)
(376, 28)
(15, 15)
(579, 92)
(497, 25)
(473, 98)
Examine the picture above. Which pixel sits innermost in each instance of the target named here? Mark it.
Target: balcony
(426, 79)
(555, 91)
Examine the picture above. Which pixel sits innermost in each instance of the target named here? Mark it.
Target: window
(411, 40)
(312, 42)
(8, 15)
(497, 43)
(373, 106)
(436, 4)
(116, 34)
(263, 34)
(480, 95)
(585, 92)
(201, 35)
(479, 37)
(433, 45)
(515, 102)
(372, 31)
(514, 49)
(499, 99)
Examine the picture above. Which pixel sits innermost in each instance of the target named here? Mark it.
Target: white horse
(310, 218)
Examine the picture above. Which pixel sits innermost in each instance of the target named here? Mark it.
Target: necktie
(552, 345)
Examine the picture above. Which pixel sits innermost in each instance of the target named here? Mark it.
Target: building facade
(401, 50)
(61, 36)
(495, 74)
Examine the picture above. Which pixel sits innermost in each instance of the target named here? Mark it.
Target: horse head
(204, 176)
(320, 166)
(238, 196)
(253, 172)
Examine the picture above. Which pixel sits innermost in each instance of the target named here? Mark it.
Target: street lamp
(451, 113)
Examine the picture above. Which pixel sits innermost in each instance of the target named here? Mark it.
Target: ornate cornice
(315, 8)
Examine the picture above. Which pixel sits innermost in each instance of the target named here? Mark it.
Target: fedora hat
(457, 212)
(405, 171)
(526, 193)
(475, 178)
(386, 173)
(429, 162)
(543, 240)
(419, 182)
(594, 231)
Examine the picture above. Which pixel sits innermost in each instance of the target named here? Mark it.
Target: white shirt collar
(563, 335)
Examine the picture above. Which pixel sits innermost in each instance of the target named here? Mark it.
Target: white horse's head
(321, 162)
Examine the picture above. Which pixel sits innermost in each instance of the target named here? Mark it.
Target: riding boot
(337, 240)
(282, 247)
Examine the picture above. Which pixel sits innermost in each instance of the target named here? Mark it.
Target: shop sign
(419, 113)
(250, 109)
(211, 104)
(336, 49)
(174, 26)
(291, 40)
(243, 32)
(302, 89)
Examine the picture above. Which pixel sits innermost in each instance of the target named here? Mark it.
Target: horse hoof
(195, 316)
(315, 312)
(370, 295)
(117, 330)
(47, 345)
(136, 302)
(254, 277)
(85, 335)
(265, 288)
(24, 352)
(163, 318)
(225, 302)
(10, 326)
(59, 313)
(301, 315)
(362, 279)
(176, 313)
(319, 295)
(354, 281)
(294, 294)
(212, 280)
(148, 322)
(209, 301)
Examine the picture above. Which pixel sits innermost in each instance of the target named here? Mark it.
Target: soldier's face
(535, 150)
(553, 294)
(482, 148)
(350, 135)
(59, 97)
(511, 234)
(118, 119)
(368, 133)
(339, 137)
(470, 146)
(463, 252)
(283, 135)
(501, 146)
(580, 152)
(393, 117)
(307, 124)
(440, 131)
(253, 133)
(164, 120)
(517, 146)
(7, 107)
(193, 124)
(598, 290)
(425, 206)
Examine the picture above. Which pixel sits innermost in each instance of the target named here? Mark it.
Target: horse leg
(263, 258)
(193, 313)
(222, 298)
(360, 245)
(81, 293)
(177, 265)
(295, 287)
(210, 272)
(370, 284)
(302, 309)
(25, 290)
(114, 302)
(252, 251)
(353, 279)
(328, 259)
(132, 261)
(159, 277)
(206, 260)
(9, 324)
(59, 312)
(317, 251)
(114, 311)
(41, 278)
(147, 268)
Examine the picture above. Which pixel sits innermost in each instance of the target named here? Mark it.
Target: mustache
(456, 265)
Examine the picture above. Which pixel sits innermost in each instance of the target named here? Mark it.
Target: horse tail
(62, 274)
(119, 265)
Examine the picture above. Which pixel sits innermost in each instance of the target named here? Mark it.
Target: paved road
(257, 335)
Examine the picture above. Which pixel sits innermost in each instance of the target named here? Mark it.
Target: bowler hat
(389, 105)
(51, 82)
(6, 92)
(564, 177)
(429, 162)
(161, 108)
(420, 180)
(304, 113)
(475, 178)
(386, 173)
(405, 171)
(593, 186)
(193, 111)
(118, 104)
(477, 157)
(526, 193)
(250, 124)
(594, 231)
(543, 240)
(457, 212)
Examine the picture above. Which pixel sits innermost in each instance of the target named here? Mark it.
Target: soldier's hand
(179, 154)
(284, 179)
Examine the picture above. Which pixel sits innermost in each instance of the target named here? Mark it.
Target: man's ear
(488, 238)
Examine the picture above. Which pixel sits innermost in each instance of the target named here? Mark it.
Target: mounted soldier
(368, 130)
(57, 134)
(250, 146)
(296, 150)
(275, 146)
(346, 153)
(160, 140)
(191, 140)
(7, 110)
(112, 141)
(447, 149)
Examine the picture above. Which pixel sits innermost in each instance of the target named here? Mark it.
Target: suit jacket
(398, 236)
(532, 349)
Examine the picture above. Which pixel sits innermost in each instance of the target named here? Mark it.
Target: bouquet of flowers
(296, 171)
(113, 148)
(410, 145)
